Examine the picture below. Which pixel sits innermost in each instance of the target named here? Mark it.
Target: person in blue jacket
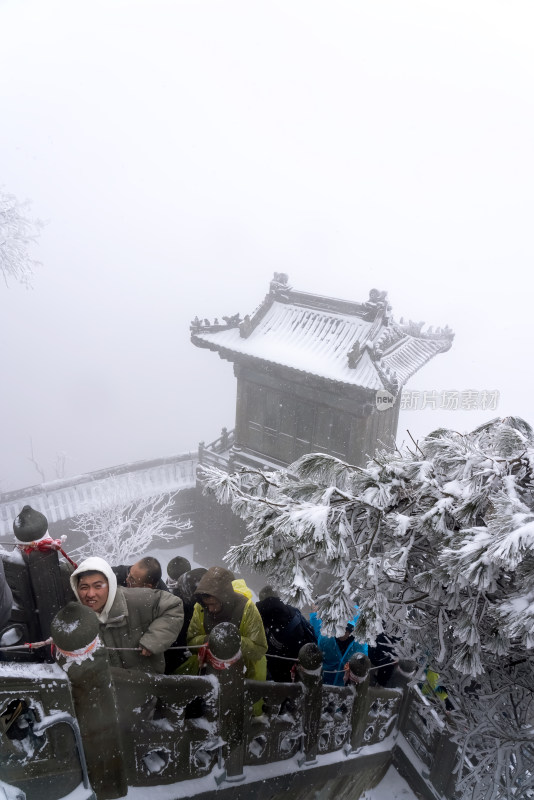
(337, 650)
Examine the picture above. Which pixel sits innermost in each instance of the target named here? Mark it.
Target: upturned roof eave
(228, 354)
(232, 355)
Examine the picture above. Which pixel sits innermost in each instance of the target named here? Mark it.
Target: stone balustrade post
(75, 633)
(442, 776)
(359, 666)
(309, 669)
(227, 665)
(232, 457)
(43, 568)
(403, 674)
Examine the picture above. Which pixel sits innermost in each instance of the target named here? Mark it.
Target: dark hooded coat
(185, 589)
(286, 631)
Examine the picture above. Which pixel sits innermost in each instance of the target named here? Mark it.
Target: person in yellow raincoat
(431, 686)
(220, 598)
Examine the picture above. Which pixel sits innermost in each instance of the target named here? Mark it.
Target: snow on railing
(155, 729)
(217, 453)
(64, 499)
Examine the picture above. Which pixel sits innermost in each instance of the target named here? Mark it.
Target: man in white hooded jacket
(147, 619)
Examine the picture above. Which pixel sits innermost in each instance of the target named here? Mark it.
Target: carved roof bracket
(205, 326)
(388, 377)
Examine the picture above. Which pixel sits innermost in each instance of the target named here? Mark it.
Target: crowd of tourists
(164, 626)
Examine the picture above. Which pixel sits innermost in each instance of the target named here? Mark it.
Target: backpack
(308, 634)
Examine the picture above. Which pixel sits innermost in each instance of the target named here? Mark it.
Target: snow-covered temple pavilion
(317, 374)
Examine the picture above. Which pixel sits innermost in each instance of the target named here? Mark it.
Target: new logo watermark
(446, 400)
(384, 400)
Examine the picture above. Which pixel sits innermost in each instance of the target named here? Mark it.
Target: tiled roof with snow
(347, 343)
(408, 352)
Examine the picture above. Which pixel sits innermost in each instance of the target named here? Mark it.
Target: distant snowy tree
(121, 529)
(59, 464)
(18, 231)
(437, 547)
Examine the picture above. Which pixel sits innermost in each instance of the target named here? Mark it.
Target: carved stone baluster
(43, 569)
(310, 672)
(359, 666)
(225, 644)
(75, 631)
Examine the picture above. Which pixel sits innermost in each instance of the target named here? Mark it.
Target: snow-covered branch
(121, 529)
(18, 232)
(436, 545)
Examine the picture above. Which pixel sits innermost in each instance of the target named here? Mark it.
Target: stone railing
(112, 729)
(217, 453)
(66, 498)
(139, 729)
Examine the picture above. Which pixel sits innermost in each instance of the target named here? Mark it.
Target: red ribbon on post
(44, 545)
(348, 676)
(206, 656)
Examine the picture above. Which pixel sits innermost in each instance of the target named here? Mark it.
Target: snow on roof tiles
(408, 352)
(315, 335)
(306, 340)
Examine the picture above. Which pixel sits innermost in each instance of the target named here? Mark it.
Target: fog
(182, 152)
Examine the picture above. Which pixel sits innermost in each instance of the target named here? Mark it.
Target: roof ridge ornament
(357, 350)
(279, 288)
(388, 377)
(416, 329)
(377, 297)
(205, 325)
(279, 283)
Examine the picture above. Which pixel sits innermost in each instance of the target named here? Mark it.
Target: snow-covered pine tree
(436, 545)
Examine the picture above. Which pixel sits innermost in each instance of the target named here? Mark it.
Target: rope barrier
(330, 671)
(282, 658)
(35, 645)
(214, 661)
(44, 546)
(199, 647)
(28, 645)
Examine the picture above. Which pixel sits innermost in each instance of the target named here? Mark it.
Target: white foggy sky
(181, 152)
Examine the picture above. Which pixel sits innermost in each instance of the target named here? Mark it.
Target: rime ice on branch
(436, 544)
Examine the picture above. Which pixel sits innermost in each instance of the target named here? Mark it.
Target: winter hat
(30, 525)
(186, 585)
(217, 582)
(177, 566)
(96, 564)
(268, 591)
(273, 610)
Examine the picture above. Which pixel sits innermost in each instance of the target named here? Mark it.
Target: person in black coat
(185, 588)
(286, 631)
(382, 655)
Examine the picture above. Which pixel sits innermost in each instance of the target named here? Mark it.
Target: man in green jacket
(146, 620)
